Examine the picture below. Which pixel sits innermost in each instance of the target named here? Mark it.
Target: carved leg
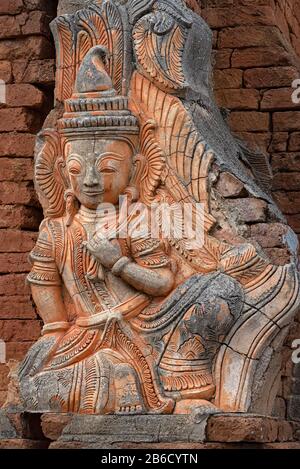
(126, 342)
(127, 392)
(186, 365)
(246, 358)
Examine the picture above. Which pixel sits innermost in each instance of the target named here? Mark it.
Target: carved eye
(107, 170)
(106, 167)
(74, 168)
(109, 163)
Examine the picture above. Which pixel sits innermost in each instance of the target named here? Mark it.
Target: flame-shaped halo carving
(50, 181)
(159, 44)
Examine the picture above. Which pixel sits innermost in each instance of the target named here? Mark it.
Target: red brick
(254, 57)
(235, 428)
(248, 210)
(286, 162)
(247, 15)
(222, 59)
(229, 186)
(255, 140)
(9, 27)
(53, 425)
(17, 307)
(294, 142)
(286, 120)
(18, 119)
(269, 235)
(194, 5)
(271, 77)
(24, 96)
(44, 5)
(228, 79)
(279, 99)
(249, 121)
(10, 7)
(5, 71)
(16, 169)
(294, 222)
(31, 47)
(286, 181)
(21, 217)
(17, 241)
(17, 144)
(214, 39)
(289, 202)
(4, 370)
(20, 330)
(238, 99)
(37, 22)
(249, 36)
(13, 284)
(14, 262)
(17, 193)
(17, 350)
(279, 142)
(36, 71)
(26, 23)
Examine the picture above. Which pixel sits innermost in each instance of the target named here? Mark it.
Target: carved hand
(103, 250)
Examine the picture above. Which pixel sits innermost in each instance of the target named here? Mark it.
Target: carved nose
(91, 179)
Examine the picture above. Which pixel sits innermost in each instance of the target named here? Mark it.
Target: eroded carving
(138, 323)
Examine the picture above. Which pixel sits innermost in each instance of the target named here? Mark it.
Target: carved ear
(150, 163)
(49, 174)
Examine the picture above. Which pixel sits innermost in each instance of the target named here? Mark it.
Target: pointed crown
(95, 105)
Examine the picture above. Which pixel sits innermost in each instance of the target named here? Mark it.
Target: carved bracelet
(55, 326)
(120, 265)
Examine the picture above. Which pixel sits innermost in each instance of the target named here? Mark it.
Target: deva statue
(136, 322)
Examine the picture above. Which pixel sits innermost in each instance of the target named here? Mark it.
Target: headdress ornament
(95, 105)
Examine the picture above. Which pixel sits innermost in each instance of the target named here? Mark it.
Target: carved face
(99, 170)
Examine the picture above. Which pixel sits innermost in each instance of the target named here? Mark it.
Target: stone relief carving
(136, 323)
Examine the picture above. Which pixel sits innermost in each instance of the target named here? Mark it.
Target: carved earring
(132, 193)
(71, 206)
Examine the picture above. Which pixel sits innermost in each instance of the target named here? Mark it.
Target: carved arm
(51, 307)
(154, 282)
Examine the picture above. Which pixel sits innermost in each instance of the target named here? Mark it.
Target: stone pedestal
(197, 431)
(131, 431)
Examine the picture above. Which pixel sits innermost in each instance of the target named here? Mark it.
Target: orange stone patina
(138, 323)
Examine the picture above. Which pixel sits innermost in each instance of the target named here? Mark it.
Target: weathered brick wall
(257, 57)
(27, 66)
(257, 50)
